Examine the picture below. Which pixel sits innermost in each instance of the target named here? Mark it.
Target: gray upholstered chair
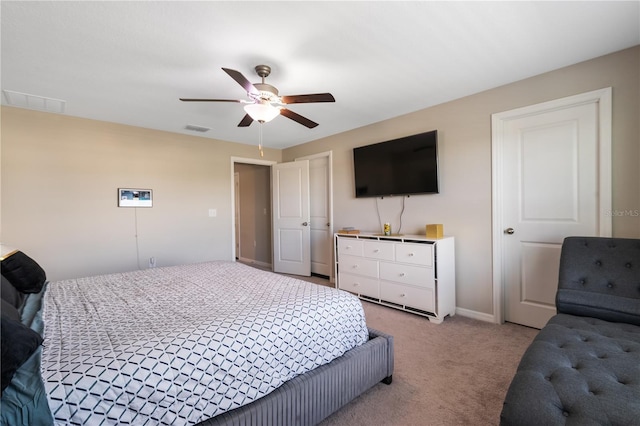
(583, 368)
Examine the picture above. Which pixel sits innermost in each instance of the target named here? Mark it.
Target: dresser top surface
(381, 237)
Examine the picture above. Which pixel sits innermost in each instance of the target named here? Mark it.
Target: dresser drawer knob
(403, 295)
(402, 274)
(356, 284)
(355, 266)
(376, 250)
(410, 254)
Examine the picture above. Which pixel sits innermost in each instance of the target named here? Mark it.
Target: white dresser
(409, 272)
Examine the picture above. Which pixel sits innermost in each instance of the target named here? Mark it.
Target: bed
(208, 344)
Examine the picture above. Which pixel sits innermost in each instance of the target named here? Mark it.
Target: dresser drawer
(358, 265)
(417, 254)
(418, 298)
(378, 250)
(350, 246)
(359, 284)
(407, 274)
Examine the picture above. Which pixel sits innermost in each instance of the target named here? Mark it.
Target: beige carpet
(455, 373)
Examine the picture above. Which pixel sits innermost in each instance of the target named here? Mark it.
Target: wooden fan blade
(298, 118)
(246, 121)
(242, 81)
(209, 100)
(303, 99)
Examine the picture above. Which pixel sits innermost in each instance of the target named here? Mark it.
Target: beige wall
(60, 174)
(59, 194)
(255, 213)
(464, 131)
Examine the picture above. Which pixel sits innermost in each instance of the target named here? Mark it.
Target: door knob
(509, 231)
(305, 223)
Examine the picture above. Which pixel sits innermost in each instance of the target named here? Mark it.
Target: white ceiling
(129, 62)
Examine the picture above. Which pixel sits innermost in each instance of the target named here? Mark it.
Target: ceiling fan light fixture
(264, 103)
(262, 112)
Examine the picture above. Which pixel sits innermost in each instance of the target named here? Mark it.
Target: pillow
(11, 295)
(18, 344)
(23, 272)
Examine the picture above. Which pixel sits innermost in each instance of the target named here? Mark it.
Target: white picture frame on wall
(132, 197)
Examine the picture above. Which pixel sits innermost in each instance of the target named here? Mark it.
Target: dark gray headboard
(600, 277)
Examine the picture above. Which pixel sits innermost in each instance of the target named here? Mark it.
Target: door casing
(603, 99)
(236, 213)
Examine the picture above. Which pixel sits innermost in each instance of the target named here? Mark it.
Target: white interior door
(291, 230)
(550, 179)
(320, 213)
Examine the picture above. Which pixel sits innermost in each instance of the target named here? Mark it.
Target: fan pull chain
(260, 141)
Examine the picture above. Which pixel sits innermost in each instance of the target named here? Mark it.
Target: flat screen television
(404, 166)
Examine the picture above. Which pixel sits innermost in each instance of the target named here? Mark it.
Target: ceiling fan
(264, 102)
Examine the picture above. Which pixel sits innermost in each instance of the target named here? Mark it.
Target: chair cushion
(577, 371)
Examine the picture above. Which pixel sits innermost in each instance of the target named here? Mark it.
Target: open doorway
(252, 239)
(253, 214)
(251, 200)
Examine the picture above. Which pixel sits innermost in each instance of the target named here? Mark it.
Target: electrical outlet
(152, 262)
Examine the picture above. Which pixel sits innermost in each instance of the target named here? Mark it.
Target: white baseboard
(475, 315)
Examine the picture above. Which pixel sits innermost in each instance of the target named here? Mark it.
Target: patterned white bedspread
(178, 345)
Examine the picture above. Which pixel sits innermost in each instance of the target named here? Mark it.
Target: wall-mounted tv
(403, 166)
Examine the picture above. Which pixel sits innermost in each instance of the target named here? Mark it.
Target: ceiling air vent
(195, 128)
(25, 100)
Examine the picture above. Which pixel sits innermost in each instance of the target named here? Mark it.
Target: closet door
(291, 218)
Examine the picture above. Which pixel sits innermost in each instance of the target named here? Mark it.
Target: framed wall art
(128, 197)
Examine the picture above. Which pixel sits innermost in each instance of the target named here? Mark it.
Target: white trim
(237, 248)
(605, 162)
(497, 130)
(233, 198)
(468, 313)
(603, 98)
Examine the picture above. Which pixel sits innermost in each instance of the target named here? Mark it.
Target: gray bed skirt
(311, 397)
